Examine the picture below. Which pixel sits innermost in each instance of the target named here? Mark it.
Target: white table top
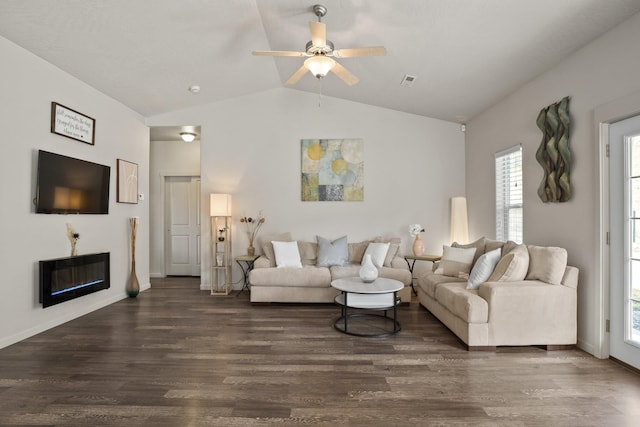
(356, 285)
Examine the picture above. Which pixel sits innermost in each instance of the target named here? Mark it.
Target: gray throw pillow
(332, 253)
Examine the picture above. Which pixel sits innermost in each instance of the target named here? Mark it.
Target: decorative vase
(418, 246)
(133, 286)
(368, 271)
(251, 251)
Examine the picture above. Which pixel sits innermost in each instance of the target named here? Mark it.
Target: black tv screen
(71, 186)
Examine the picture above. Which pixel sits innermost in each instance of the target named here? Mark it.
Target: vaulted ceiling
(465, 54)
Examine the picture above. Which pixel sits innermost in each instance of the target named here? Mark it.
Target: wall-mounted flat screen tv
(71, 186)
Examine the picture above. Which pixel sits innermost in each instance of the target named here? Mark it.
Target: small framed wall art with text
(72, 124)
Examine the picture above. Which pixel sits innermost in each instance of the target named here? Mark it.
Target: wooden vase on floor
(418, 246)
(133, 286)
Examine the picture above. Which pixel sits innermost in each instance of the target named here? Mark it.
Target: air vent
(408, 80)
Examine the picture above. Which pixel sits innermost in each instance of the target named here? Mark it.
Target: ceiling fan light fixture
(319, 65)
(187, 136)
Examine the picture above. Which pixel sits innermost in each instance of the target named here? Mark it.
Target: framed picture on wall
(72, 124)
(127, 182)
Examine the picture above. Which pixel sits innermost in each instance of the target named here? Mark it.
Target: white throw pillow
(287, 254)
(456, 262)
(378, 252)
(483, 268)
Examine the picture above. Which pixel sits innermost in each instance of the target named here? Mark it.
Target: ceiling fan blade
(361, 51)
(277, 53)
(346, 75)
(318, 34)
(297, 75)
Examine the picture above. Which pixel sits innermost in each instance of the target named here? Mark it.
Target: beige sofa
(507, 312)
(311, 283)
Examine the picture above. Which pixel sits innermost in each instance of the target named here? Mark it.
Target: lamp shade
(459, 221)
(319, 65)
(188, 136)
(220, 204)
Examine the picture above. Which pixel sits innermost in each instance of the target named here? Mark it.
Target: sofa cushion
(378, 252)
(479, 245)
(429, 282)
(513, 266)
(456, 262)
(483, 268)
(307, 276)
(332, 252)
(308, 252)
(464, 303)
(287, 254)
(267, 247)
(490, 245)
(356, 251)
(547, 264)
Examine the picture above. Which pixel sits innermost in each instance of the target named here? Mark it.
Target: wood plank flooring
(176, 356)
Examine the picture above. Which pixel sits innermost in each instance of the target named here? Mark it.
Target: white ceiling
(466, 54)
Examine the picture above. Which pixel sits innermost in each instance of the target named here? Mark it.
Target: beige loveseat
(514, 307)
(312, 283)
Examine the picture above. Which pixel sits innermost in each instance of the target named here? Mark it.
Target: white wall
(605, 70)
(167, 158)
(27, 88)
(250, 147)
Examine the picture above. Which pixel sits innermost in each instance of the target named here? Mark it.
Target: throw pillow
(378, 252)
(356, 251)
(332, 253)
(512, 267)
(267, 247)
(483, 268)
(394, 247)
(547, 264)
(478, 245)
(287, 254)
(456, 262)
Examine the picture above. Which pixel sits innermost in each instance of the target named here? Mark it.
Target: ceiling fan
(320, 53)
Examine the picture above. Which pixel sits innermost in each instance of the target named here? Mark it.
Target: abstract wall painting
(332, 170)
(553, 154)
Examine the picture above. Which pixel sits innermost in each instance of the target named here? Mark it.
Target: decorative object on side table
(253, 225)
(368, 271)
(133, 286)
(73, 238)
(418, 245)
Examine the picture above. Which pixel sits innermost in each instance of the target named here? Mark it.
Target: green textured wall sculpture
(553, 154)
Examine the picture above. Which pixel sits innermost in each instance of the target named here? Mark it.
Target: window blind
(509, 198)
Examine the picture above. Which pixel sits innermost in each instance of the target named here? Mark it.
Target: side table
(411, 261)
(246, 265)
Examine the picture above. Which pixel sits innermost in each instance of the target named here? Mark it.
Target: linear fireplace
(64, 279)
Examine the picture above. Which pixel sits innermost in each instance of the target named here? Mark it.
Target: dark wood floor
(176, 356)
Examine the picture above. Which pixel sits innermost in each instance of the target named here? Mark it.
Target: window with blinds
(509, 207)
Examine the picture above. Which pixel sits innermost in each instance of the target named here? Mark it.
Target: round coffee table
(379, 295)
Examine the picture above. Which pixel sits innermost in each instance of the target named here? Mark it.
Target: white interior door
(182, 216)
(624, 195)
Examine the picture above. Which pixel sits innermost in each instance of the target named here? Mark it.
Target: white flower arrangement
(415, 229)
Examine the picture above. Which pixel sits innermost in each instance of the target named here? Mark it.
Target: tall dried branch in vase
(73, 238)
(253, 225)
